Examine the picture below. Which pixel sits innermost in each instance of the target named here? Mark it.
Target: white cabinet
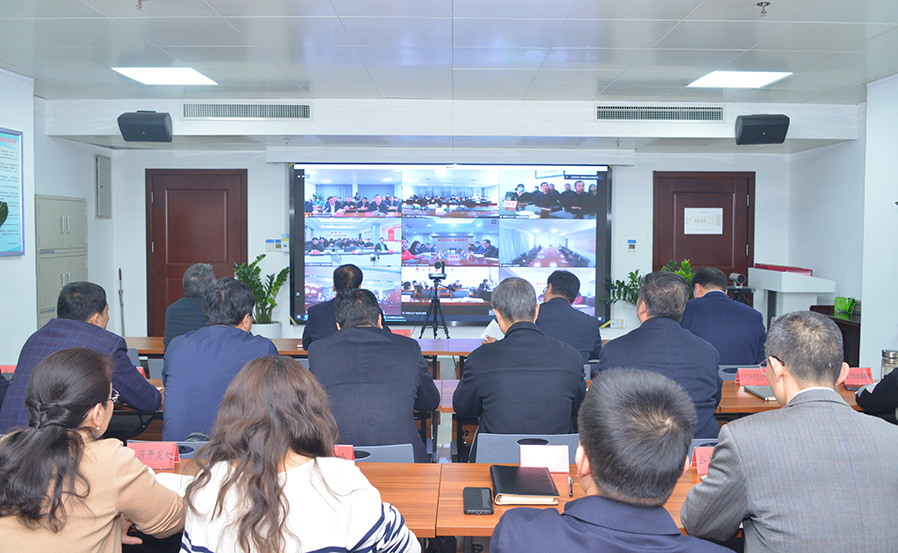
(61, 226)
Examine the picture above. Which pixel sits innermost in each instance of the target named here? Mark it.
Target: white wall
(18, 293)
(879, 325)
(826, 213)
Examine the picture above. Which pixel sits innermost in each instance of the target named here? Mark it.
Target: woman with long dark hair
(62, 488)
(271, 484)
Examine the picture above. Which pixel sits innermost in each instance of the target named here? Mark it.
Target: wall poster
(12, 237)
(703, 220)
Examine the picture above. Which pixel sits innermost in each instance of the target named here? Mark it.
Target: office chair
(506, 448)
(396, 453)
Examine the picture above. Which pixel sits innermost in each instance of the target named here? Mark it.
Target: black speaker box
(145, 126)
(761, 129)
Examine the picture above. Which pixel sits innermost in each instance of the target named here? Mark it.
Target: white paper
(703, 220)
(175, 482)
(492, 330)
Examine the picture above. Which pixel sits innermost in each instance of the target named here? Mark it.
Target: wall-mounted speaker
(761, 129)
(145, 126)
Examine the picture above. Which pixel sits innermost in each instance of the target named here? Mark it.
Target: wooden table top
(452, 520)
(734, 399)
(152, 346)
(413, 488)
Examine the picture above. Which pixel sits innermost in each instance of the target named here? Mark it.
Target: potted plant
(620, 290)
(265, 293)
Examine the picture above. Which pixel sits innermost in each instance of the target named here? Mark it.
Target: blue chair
(728, 372)
(506, 448)
(396, 453)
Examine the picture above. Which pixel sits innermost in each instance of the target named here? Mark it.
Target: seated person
(63, 488)
(787, 475)
(635, 431)
(661, 345)
(734, 329)
(489, 250)
(381, 246)
(322, 322)
(186, 314)
(331, 206)
(525, 383)
(268, 480)
(199, 365)
(560, 320)
(81, 318)
(375, 379)
(881, 398)
(580, 204)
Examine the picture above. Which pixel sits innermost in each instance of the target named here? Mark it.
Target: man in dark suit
(375, 380)
(814, 475)
(525, 383)
(200, 365)
(558, 318)
(322, 322)
(186, 314)
(489, 250)
(378, 205)
(81, 318)
(734, 329)
(635, 431)
(661, 345)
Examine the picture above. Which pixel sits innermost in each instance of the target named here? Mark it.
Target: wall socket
(617, 323)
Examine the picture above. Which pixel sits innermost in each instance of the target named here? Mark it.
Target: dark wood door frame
(239, 224)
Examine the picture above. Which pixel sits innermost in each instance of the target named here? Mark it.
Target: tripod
(435, 308)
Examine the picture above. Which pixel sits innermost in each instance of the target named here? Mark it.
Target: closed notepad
(513, 485)
(763, 392)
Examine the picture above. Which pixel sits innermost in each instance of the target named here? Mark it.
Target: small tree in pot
(265, 292)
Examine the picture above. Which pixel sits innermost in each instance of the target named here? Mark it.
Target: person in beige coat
(61, 488)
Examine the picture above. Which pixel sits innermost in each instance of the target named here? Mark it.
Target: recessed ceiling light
(326, 181)
(388, 179)
(165, 75)
(739, 79)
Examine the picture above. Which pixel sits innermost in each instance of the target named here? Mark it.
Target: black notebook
(514, 485)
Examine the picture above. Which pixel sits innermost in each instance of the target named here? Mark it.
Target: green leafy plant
(318, 198)
(683, 268)
(265, 291)
(620, 290)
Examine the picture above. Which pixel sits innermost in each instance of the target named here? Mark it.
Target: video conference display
(484, 223)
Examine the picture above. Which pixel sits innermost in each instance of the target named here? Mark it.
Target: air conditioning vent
(246, 111)
(658, 113)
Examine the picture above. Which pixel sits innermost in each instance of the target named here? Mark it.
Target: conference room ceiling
(587, 50)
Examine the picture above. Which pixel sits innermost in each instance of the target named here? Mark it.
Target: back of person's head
(39, 466)
(635, 428)
(709, 278)
(515, 300)
(565, 284)
(664, 294)
(272, 408)
(347, 277)
(228, 302)
(809, 345)
(197, 279)
(80, 301)
(356, 307)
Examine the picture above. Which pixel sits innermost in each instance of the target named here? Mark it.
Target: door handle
(61, 225)
(62, 279)
(68, 226)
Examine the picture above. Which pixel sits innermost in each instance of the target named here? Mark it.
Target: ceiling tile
(315, 56)
(701, 60)
(886, 42)
(137, 53)
(506, 33)
(564, 78)
(153, 8)
(500, 9)
(500, 78)
(393, 8)
(634, 9)
(728, 35)
(597, 59)
(100, 33)
(292, 31)
(334, 82)
(825, 37)
(12, 9)
(464, 92)
(405, 91)
(859, 11)
(855, 94)
(750, 11)
(613, 34)
(405, 57)
(436, 76)
(184, 31)
(551, 91)
(772, 60)
(398, 32)
(498, 58)
(272, 8)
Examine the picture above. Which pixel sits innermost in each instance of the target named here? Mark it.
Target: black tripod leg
(442, 320)
(430, 311)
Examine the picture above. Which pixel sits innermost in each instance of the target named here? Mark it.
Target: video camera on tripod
(435, 309)
(437, 277)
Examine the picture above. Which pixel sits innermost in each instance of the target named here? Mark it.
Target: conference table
(413, 488)
(429, 496)
(736, 402)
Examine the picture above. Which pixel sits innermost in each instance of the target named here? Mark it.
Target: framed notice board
(12, 236)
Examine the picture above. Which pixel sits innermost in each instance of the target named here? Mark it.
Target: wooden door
(193, 216)
(726, 243)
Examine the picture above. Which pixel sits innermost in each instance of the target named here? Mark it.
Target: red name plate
(156, 455)
(859, 376)
(701, 456)
(344, 452)
(751, 377)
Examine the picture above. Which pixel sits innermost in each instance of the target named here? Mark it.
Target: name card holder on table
(751, 377)
(156, 455)
(701, 457)
(344, 452)
(858, 376)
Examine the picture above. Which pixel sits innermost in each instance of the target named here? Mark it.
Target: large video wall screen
(485, 223)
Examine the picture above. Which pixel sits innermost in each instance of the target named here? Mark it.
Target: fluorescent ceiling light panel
(165, 75)
(739, 79)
